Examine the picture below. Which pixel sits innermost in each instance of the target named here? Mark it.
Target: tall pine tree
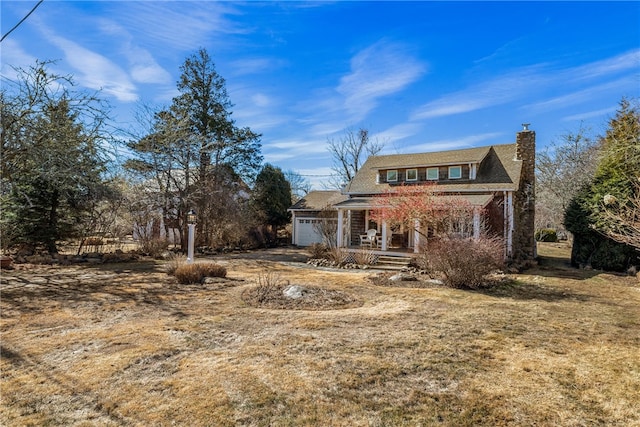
(615, 185)
(52, 159)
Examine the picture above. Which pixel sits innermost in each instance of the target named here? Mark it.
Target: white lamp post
(191, 220)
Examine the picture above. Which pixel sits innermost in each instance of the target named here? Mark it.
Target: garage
(308, 212)
(306, 233)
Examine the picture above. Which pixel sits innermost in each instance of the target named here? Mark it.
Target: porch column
(348, 233)
(293, 228)
(416, 236)
(476, 223)
(339, 239)
(510, 224)
(384, 236)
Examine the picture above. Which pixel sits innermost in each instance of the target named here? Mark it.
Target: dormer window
(432, 174)
(412, 174)
(392, 176)
(455, 172)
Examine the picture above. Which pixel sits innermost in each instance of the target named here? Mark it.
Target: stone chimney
(524, 243)
(526, 143)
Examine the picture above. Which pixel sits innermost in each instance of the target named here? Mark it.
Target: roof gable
(318, 200)
(438, 158)
(497, 169)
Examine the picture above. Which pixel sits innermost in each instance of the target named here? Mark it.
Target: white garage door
(306, 233)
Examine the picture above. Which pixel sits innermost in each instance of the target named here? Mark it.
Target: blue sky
(421, 76)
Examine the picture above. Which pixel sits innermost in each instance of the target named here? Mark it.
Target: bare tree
(300, 186)
(327, 226)
(349, 152)
(561, 170)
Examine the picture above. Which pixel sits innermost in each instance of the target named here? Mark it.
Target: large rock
(295, 292)
(402, 277)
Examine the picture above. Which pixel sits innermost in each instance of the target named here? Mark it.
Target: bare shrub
(175, 261)
(211, 269)
(365, 257)
(269, 283)
(188, 274)
(463, 263)
(327, 226)
(154, 247)
(338, 255)
(318, 250)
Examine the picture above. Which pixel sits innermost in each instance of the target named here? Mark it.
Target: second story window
(412, 174)
(432, 174)
(455, 172)
(392, 176)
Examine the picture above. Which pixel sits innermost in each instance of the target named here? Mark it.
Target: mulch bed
(313, 298)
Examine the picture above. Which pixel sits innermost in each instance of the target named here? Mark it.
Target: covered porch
(357, 230)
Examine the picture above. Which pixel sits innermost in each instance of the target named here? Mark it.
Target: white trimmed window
(392, 176)
(455, 172)
(432, 174)
(412, 174)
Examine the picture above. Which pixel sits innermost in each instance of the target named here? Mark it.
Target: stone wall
(524, 201)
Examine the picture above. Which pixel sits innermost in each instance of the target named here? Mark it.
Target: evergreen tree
(196, 155)
(52, 159)
(272, 198)
(616, 180)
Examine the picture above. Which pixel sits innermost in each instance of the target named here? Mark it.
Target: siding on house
(499, 179)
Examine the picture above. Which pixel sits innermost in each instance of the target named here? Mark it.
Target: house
(498, 181)
(307, 213)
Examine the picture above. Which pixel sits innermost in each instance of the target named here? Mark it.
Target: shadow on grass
(78, 393)
(560, 267)
(140, 283)
(525, 291)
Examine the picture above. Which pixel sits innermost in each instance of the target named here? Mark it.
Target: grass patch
(128, 345)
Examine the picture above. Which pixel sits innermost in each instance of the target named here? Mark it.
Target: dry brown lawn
(125, 344)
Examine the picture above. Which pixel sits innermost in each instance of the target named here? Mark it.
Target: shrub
(546, 235)
(318, 250)
(175, 261)
(153, 247)
(365, 257)
(338, 255)
(591, 248)
(211, 269)
(195, 273)
(188, 274)
(463, 263)
(268, 284)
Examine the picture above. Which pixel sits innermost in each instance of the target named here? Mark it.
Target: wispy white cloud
(377, 71)
(380, 70)
(142, 66)
(628, 61)
(591, 114)
(248, 66)
(167, 27)
(581, 96)
(537, 81)
(96, 71)
(298, 147)
(396, 133)
(454, 143)
(13, 55)
(497, 91)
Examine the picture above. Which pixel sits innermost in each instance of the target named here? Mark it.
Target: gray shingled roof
(498, 169)
(479, 200)
(318, 200)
